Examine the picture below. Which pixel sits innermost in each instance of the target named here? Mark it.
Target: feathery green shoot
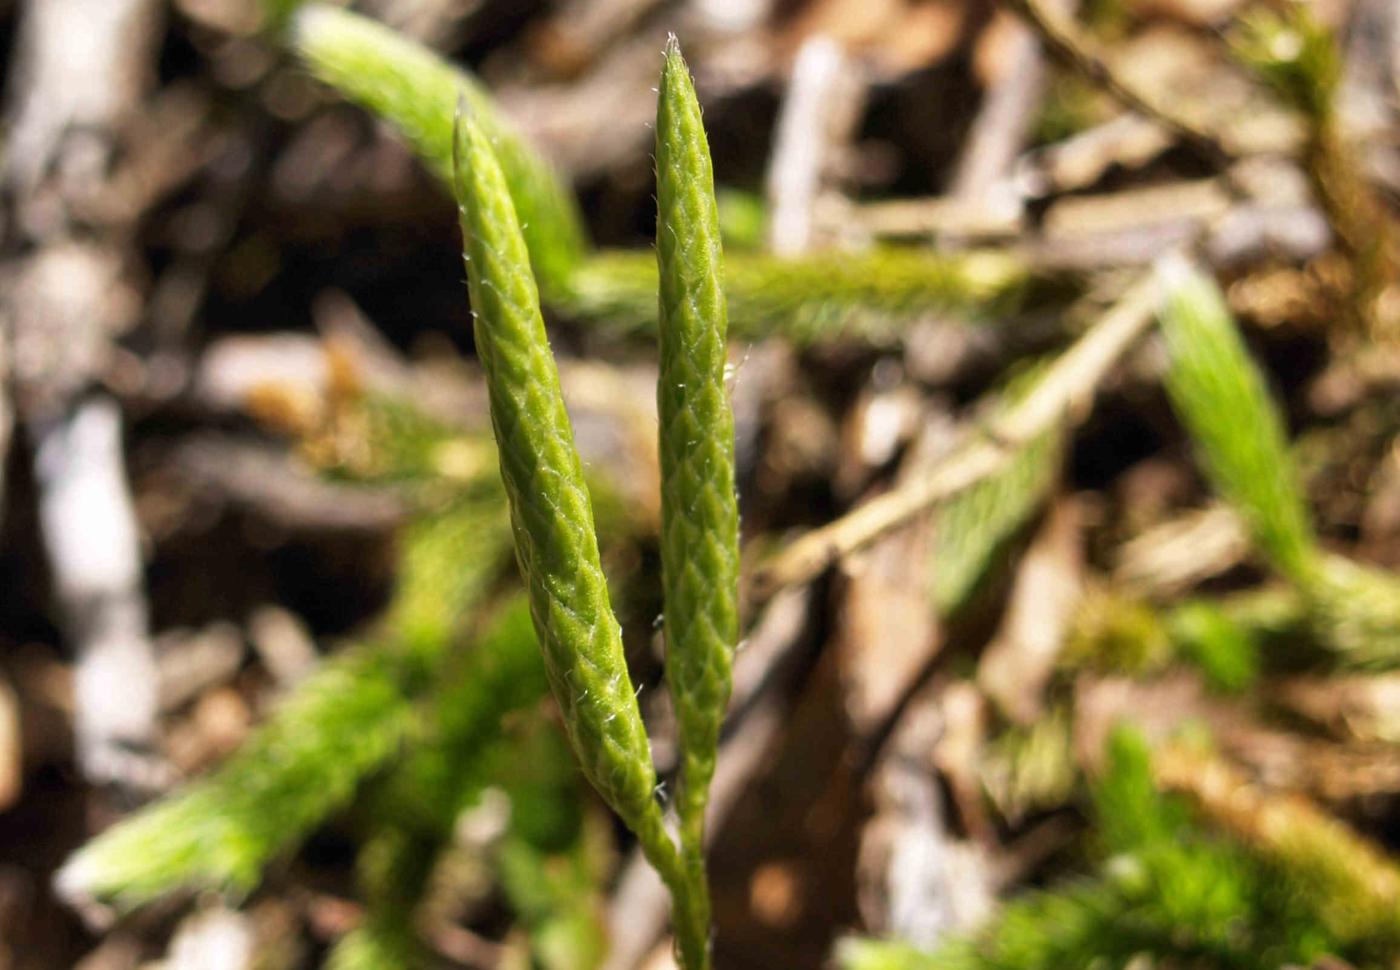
(1224, 649)
(220, 832)
(435, 590)
(417, 92)
(1167, 892)
(499, 673)
(551, 514)
(1340, 881)
(699, 511)
(1220, 395)
(392, 870)
(806, 299)
(978, 521)
(817, 297)
(308, 759)
(553, 860)
(812, 298)
(1355, 609)
(448, 766)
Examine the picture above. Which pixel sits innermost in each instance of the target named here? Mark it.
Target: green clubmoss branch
(978, 521)
(221, 832)
(1167, 889)
(417, 92)
(1220, 395)
(340, 725)
(419, 801)
(822, 296)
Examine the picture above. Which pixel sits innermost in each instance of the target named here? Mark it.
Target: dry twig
(1064, 393)
(1065, 41)
(820, 111)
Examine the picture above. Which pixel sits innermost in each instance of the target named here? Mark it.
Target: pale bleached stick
(80, 71)
(212, 938)
(819, 111)
(90, 538)
(1002, 127)
(1066, 41)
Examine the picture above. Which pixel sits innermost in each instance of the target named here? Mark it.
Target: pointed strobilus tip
(676, 92)
(674, 69)
(461, 117)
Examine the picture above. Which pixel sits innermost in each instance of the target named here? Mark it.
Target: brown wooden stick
(1065, 41)
(1064, 394)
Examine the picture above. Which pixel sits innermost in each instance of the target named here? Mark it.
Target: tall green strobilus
(699, 515)
(551, 514)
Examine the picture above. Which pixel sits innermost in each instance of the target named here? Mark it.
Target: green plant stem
(319, 743)
(1349, 883)
(699, 512)
(392, 870)
(417, 803)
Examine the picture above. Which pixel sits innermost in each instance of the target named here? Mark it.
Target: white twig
(917, 880)
(822, 105)
(79, 72)
(214, 938)
(89, 532)
(1001, 128)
